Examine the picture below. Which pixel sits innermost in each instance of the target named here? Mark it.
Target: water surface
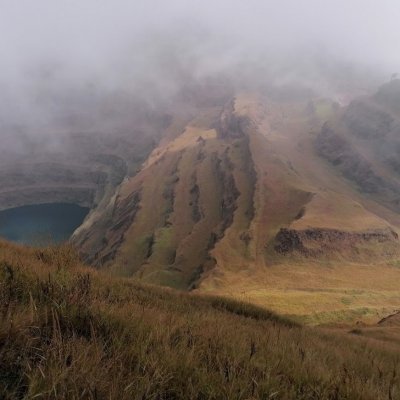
(41, 224)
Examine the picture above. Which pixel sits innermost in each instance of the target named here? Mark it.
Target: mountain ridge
(243, 190)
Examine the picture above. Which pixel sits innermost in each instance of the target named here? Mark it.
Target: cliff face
(380, 244)
(363, 144)
(78, 162)
(241, 188)
(87, 142)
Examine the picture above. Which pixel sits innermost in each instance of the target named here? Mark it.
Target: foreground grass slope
(68, 332)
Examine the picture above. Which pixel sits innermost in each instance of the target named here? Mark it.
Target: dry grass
(316, 289)
(68, 332)
(335, 211)
(316, 293)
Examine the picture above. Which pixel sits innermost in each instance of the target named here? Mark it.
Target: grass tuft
(69, 332)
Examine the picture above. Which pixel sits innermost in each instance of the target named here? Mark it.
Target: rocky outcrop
(54, 181)
(388, 95)
(367, 121)
(342, 154)
(318, 242)
(231, 125)
(363, 143)
(391, 320)
(196, 214)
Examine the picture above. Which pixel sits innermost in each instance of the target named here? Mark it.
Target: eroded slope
(241, 203)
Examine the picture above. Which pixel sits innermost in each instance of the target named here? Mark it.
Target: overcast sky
(118, 43)
(85, 33)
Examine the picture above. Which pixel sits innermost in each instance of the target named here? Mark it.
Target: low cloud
(55, 54)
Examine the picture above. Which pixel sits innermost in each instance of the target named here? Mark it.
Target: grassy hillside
(68, 332)
(241, 201)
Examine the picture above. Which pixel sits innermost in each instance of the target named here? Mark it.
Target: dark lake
(41, 224)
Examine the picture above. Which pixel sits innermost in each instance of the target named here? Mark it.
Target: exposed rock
(337, 150)
(231, 125)
(367, 121)
(318, 242)
(388, 95)
(363, 143)
(194, 201)
(107, 234)
(391, 320)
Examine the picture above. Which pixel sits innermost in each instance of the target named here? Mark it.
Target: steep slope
(321, 248)
(241, 203)
(85, 141)
(168, 217)
(363, 143)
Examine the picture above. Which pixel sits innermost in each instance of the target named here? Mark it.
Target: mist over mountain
(194, 128)
(204, 199)
(60, 58)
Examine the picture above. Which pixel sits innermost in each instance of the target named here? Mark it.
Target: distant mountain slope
(85, 141)
(363, 143)
(251, 187)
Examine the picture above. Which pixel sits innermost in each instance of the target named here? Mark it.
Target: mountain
(262, 196)
(78, 143)
(363, 143)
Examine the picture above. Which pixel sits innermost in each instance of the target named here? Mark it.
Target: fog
(55, 54)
